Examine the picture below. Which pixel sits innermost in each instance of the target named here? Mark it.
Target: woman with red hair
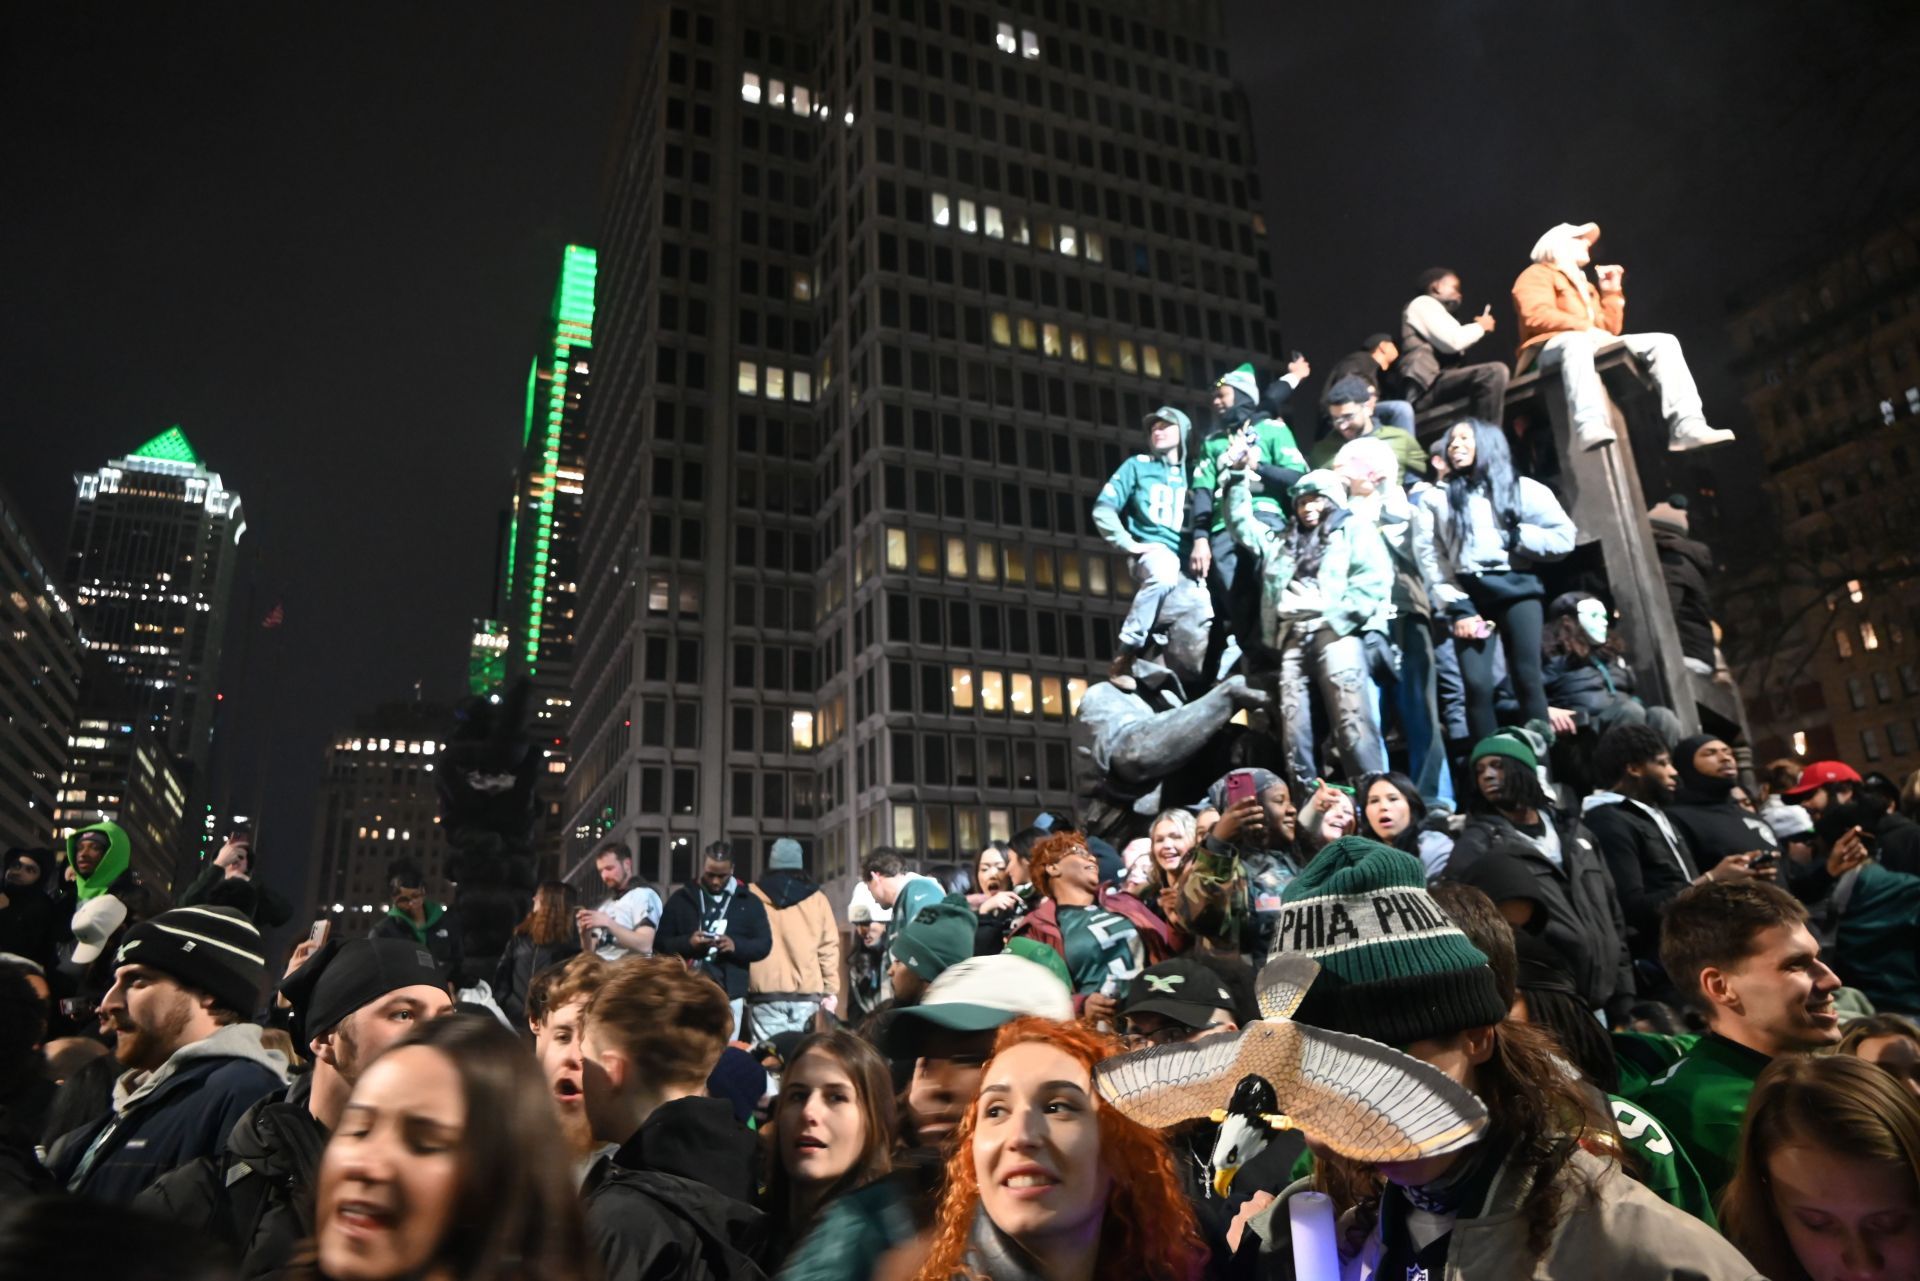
(1046, 1182)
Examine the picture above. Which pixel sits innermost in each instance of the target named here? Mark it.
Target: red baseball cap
(1820, 774)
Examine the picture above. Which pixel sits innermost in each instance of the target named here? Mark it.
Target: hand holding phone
(317, 936)
(1239, 787)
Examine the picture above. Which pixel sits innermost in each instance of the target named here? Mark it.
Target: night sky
(323, 242)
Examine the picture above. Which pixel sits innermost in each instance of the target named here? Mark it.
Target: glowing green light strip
(170, 446)
(573, 327)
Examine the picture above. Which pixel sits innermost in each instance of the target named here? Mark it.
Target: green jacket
(1664, 1165)
(1403, 443)
(850, 1236)
(1703, 1099)
(1277, 451)
(1356, 574)
(1877, 945)
(1642, 1056)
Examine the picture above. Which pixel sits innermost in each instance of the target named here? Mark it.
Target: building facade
(39, 687)
(122, 771)
(150, 561)
(378, 805)
(886, 291)
(1826, 638)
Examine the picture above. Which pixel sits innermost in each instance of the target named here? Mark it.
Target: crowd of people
(1396, 936)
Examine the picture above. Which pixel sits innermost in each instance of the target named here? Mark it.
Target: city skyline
(378, 474)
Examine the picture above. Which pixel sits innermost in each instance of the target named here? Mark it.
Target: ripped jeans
(1338, 665)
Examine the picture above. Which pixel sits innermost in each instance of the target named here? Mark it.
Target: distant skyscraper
(487, 656)
(543, 540)
(150, 561)
(1825, 635)
(377, 805)
(120, 770)
(39, 686)
(884, 298)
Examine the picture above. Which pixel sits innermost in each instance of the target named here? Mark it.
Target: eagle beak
(1223, 1180)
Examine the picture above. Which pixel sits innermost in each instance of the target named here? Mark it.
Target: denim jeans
(1338, 665)
(1157, 571)
(1419, 710)
(1666, 367)
(1235, 584)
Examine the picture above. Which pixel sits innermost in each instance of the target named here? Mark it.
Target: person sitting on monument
(1586, 675)
(1565, 320)
(1373, 364)
(1433, 347)
(1353, 410)
(1161, 743)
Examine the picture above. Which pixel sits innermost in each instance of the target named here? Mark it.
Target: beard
(145, 1046)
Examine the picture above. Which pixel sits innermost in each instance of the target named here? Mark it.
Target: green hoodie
(113, 864)
(432, 911)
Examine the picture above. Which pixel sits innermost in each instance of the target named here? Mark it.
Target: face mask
(1592, 617)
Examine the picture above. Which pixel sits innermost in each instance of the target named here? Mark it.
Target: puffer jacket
(1579, 913)
(1356, 572)
(257, 1196)
(1687, 567)
(1593, 683)
(805, 956)
(179, 1112)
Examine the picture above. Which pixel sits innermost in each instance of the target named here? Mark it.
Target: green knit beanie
(1506, 743)
(1241, 380)
(1393, 966)
(938, 936)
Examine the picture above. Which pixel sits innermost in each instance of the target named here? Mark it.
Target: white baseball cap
(864, 909)
(980, 994)
(94, 922)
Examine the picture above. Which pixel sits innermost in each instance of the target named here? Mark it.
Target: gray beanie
(785, 856)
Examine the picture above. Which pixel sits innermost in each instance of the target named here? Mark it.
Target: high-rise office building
(377, 806)
(486, 656)
(121, 770)
(150, 562)
(39, 686)
(543, 539)
(886, 291)
(1826, 635)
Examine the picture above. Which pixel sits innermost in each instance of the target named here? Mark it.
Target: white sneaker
(1695, 434)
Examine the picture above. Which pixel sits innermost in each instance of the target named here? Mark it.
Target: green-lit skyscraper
(543, 537)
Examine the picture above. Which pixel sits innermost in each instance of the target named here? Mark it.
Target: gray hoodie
(234, 1041)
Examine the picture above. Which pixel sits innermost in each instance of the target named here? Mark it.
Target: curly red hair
(1148, 1232)
(1047, 851)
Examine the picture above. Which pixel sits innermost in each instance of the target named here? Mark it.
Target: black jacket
(257, 1196)
(1687, 566)
(1899, 840)
(1715, 827)
(31, 924)
(746, 925)
(676, 1201)
(1580, 684)
(187, 1115)
(1579, 913)
(518, 964)
(263, 907)
(1647, 870)
(440, 935)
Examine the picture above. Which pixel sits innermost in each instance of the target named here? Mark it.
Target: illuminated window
(1020, 694)
(1129, 362)
(969, 217)
(1029, 44)
(1103, 352)
(776, 383)
(1005, 40)
(1052, 702)
(1150, 360)
(659, 596)
(802, 286)
(1042, 568)
(1022, 233)
(802, 386)
(749, 379)
(1070, 571)
(903, 827)
(1076, 690)
(1096, 247)
(986, 562)
(1869, 638)
(1050, 339)
(1029, 334)
(926, 555)
(993, 692)
(1076, 346)
(1097, 575)
(960, 689)
(777, 93)
(956, 558)
(1069, 240)
(1844, 639)
(992, 223)
(802, 102)
(896, 549)
(802, 731)
(1043, 235)
(999, 825)
(750, 87)
(1016, 565)
(1854, 591)
(1002, 329)
(942, 211)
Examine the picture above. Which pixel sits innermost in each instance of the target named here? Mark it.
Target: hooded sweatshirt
(181, 1111)
(30, 923)
(1703, 809)
(112, 864)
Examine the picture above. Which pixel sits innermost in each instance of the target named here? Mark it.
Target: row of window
(1899, 740)
(993, 563)
(1843, 636)
(1883, 686)
(1093, 20)
(771, 382)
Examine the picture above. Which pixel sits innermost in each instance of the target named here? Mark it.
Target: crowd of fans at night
(1371, 801)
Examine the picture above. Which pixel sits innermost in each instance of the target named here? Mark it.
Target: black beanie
(342, 977)
(214, 949)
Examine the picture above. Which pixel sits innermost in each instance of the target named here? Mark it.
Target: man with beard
(350, 1001)
(1715, 825)
(1433, 347)
(556, 1043)
(1241, 436)
(184, 984)
(1740, 953)
(1649, 861)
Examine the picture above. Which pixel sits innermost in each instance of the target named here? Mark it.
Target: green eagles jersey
(1151, 496)
(1277, 449)
(1102, 947)
(1663, 1165)
(1702, 1100)
(1642, 1056)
